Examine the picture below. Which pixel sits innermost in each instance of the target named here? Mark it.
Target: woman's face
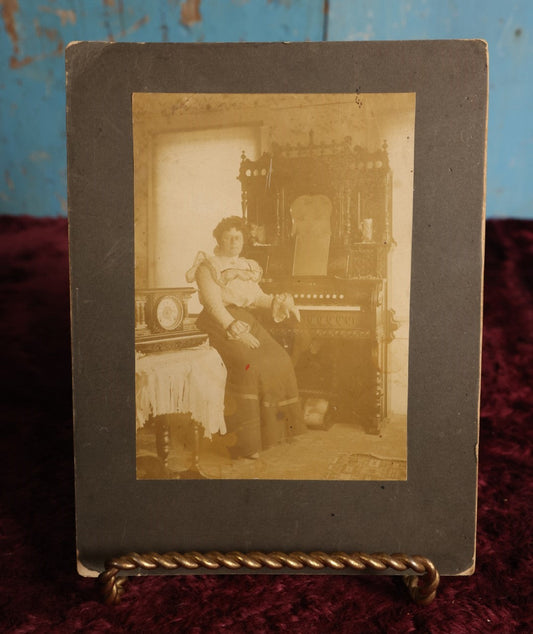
(231, 243)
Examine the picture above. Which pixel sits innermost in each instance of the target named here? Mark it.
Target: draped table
(187, 381)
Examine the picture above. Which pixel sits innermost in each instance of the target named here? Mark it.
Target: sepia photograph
(273, 241)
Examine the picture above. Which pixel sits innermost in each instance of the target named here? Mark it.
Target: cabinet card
(318, 190)
(276, 261)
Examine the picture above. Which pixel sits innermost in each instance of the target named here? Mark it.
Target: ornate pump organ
(320, 216)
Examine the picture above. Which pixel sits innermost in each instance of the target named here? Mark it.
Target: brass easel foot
(423, 593)
(113, 585)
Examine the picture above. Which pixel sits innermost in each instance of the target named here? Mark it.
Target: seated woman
(262, 406)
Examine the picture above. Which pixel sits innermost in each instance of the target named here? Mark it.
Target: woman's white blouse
(226, 281)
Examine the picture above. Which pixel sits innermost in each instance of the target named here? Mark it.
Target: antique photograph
(272, 285)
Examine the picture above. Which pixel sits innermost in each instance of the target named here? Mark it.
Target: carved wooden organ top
(353, 187)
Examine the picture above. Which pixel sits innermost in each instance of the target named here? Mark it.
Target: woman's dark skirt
(262, 405)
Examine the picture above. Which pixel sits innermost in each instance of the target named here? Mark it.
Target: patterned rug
(363, 467)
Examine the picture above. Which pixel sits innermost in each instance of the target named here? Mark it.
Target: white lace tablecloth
(182, 381)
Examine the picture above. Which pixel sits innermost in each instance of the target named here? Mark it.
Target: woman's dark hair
(231, 222)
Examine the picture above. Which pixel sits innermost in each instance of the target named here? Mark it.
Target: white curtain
(194, 185)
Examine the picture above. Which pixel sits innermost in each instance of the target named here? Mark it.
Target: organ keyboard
(332, 307)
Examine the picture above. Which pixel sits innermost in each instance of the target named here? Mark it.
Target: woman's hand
(248, 339)
(283, 306)
(240, 331)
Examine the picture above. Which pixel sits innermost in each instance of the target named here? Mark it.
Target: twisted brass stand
(422, 594)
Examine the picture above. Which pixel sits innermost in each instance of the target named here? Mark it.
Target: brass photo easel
(422, 594)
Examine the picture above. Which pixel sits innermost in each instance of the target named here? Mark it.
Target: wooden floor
(343, 452)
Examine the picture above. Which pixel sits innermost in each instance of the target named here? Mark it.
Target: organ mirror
(311, 229)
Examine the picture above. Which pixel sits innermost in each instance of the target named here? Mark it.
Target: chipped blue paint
(32, 100)
(508, 29)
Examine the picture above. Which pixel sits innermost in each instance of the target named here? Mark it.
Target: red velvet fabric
(40, 590)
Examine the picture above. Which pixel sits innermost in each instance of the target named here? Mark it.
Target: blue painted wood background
(35, 33)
